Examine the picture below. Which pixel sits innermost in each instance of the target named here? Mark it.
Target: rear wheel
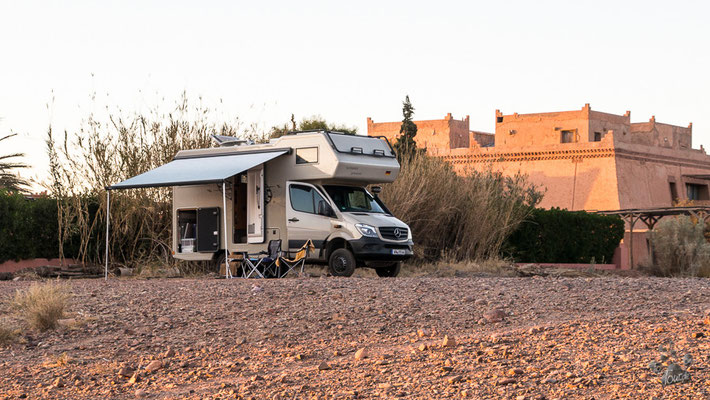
(390, 271)
(341, 263)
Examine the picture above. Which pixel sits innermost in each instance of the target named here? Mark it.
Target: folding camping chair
(299, 260)
(260, 266)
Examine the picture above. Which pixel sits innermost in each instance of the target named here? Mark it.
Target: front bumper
(375, 249)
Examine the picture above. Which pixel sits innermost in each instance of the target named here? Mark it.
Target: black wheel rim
(340, 264)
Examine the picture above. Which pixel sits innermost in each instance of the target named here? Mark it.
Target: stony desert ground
(423, 338)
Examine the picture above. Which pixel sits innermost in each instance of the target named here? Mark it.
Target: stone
(134, 378)
(505, 381)
(140, 393)
(697, 335)
(495, 315)
(361, 353)
(515, 371)
(324, 366)
(154, 366)
(59, 382)
(423, 347)
(169, 353)
(448, 342)
(454, 379)
(422, 332)
(126, 372)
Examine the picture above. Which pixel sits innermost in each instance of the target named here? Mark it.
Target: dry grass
(452, 268)
(7, 334)
(42, 304)
(680, 248)
(460, 217)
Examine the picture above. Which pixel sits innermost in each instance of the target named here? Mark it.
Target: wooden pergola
(651, 216)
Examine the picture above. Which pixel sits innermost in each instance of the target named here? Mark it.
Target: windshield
(353, 199)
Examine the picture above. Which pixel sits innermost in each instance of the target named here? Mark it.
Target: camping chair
(270, 262)
(263, 267)
(299, 260)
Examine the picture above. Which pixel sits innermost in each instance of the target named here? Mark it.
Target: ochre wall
(437, 136)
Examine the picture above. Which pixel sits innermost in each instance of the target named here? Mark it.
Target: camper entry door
(255, 205)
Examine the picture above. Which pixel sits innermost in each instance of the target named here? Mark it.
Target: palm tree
(9, 180)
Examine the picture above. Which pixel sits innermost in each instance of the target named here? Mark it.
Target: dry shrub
(111, 147)
(42, 304)
(465, 217)
(680, 248)
(7, 334)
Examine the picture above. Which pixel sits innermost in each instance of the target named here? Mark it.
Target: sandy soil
(559, 338)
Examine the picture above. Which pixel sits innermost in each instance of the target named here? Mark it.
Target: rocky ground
(493, 338)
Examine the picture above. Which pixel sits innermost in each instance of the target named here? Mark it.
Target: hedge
(28, 229)
(561, 236)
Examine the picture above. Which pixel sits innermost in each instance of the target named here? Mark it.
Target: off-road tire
(341, 263)
(390, 271)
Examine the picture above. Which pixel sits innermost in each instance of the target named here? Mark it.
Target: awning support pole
(227, 272)
(108, 222)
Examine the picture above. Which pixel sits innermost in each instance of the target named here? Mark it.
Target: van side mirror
(377, 190)
(325, 209)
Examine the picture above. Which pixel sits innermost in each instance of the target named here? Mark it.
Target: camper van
(241, 196)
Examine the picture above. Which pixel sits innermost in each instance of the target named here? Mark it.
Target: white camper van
(302, 186)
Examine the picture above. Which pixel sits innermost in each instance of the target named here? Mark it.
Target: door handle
(294, 219)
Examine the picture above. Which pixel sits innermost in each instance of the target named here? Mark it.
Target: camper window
(305, 199)
(307, 155)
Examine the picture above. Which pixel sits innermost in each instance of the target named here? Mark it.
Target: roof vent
(225, 141)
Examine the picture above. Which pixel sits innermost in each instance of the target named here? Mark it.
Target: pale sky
(349, 60)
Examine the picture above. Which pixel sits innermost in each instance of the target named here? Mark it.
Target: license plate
(399, 252)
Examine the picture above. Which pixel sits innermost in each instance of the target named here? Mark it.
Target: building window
(597, 136)
(499, 119)
(697, 192)
(568, 136)
(307, 155)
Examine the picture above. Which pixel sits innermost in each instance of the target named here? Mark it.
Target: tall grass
(42, 304)
(680, 248)
(115, 146)
(461, 217)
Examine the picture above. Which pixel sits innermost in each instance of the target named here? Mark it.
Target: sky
(260, 61)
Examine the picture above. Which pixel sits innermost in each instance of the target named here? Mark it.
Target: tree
(405, 145)
(9, 180)
(315, 122)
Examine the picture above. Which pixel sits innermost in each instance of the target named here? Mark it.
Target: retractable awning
(199, 169)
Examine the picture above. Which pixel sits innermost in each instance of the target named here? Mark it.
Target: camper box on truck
(299, 187)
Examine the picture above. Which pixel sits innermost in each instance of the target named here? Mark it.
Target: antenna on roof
(224, 141)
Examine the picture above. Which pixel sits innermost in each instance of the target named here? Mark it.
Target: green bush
(28, 228)
(561, 236)
(680, 248)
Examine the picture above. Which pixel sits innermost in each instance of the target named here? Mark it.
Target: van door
(255, 205)
(302, 220)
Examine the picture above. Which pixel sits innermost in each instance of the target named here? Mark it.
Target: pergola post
(227, 272)
(108, 222)
(632, 222)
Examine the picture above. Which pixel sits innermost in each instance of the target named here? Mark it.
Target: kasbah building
(584, 159)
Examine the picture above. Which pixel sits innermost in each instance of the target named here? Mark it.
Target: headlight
(366, 230)
(409, 233)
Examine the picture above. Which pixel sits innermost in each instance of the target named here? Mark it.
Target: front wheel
(341, 263)
(390, 271)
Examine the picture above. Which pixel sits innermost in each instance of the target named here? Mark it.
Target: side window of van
(302, 198)
(305, 198)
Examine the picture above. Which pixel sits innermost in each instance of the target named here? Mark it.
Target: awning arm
(108, 222)
(227, 272)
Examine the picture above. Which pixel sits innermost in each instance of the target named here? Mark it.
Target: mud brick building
(584, 159)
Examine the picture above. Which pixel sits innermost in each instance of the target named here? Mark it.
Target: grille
(390, 233)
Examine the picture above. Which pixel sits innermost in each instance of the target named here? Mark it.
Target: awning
(199, 169)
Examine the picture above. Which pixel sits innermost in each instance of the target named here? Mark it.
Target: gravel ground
(506, 338)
